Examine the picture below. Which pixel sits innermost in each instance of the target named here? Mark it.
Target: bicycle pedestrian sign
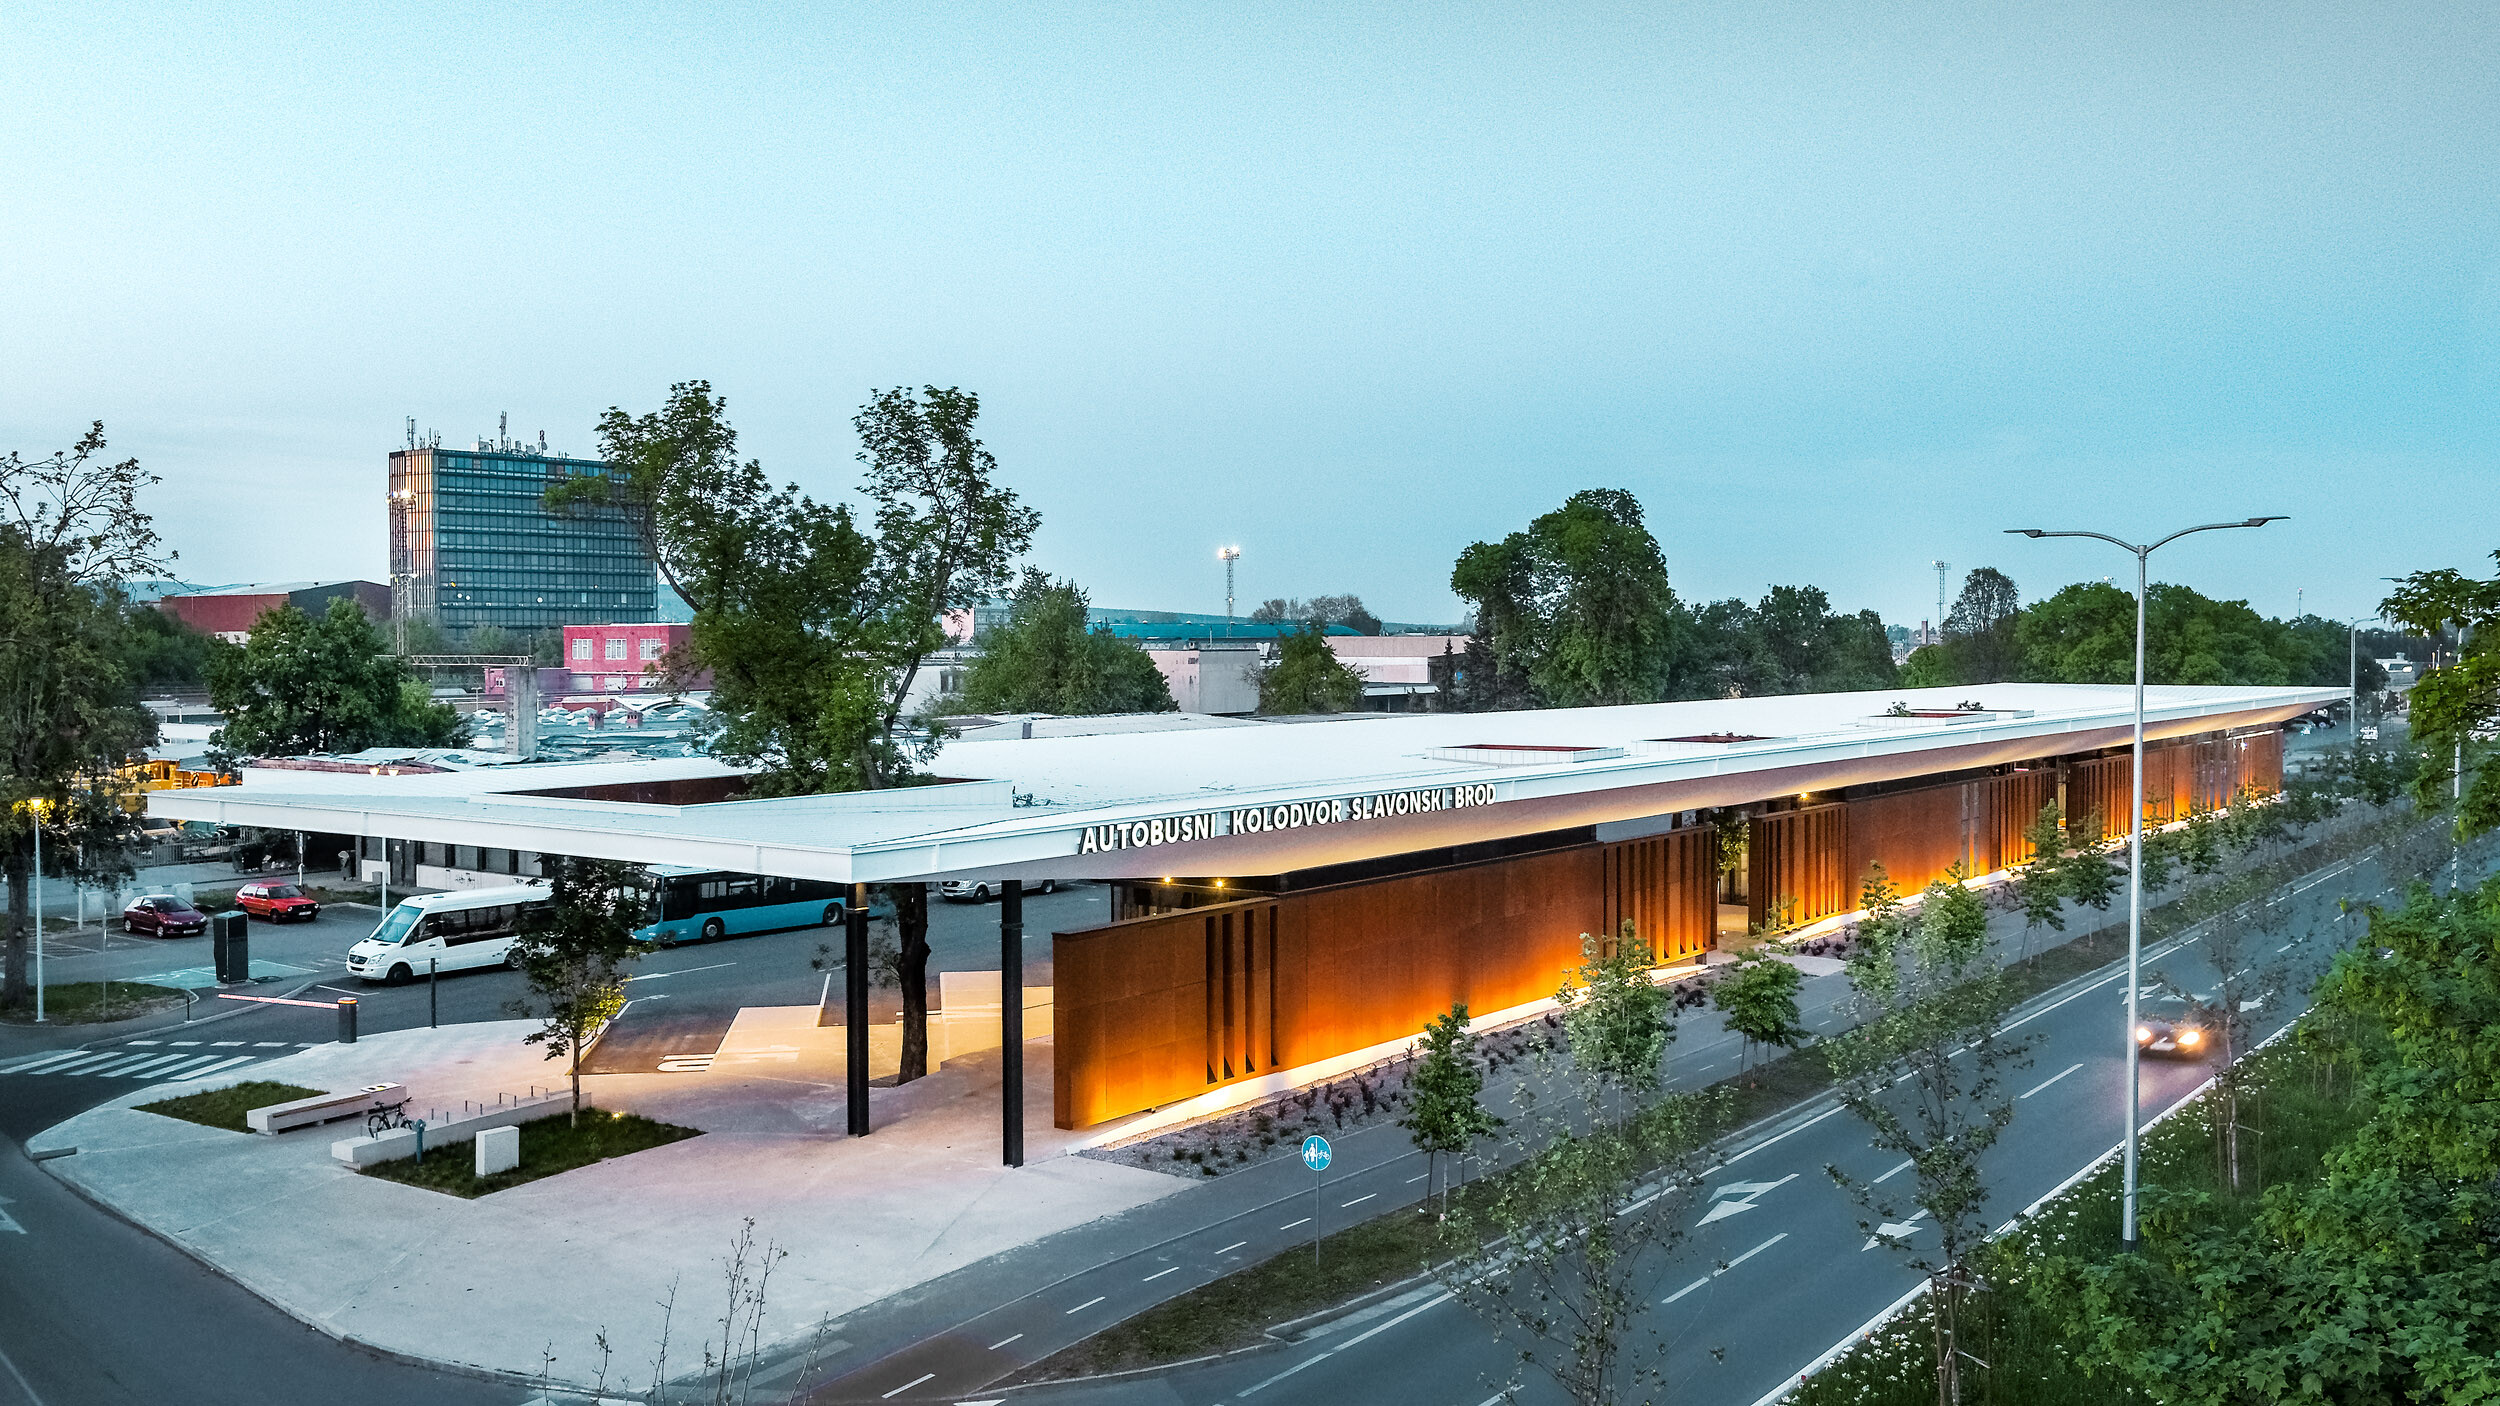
(1316, 1153)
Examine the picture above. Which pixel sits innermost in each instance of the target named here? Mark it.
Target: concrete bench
(324, 1108)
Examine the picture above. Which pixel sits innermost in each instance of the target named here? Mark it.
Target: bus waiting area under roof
(1234, 802)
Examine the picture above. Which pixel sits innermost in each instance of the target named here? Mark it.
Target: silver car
(982, 890)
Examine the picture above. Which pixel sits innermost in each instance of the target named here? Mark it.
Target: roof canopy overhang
(1246, 800)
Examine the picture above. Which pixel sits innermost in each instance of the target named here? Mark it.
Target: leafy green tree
(812, 628)
(1445, 1112)
(1308, 677)
(161, 652)
(2456, 707)
(1929, 666)
(1816, 650)
(573, 951)
(1933, 1010)
(1980, 630)
(1577, 604)
(2374, 1283)
(1558, 1252)
(1346, 610)
(327, 683)
(1759, 998)
(1045, 659)
(2041, 884)
(1473, 680)
(2089, 873)
(70, 531)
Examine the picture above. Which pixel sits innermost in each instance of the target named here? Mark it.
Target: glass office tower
(472, 544)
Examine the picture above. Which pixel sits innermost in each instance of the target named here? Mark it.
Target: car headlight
(2143, 1033)
(2191, 1037)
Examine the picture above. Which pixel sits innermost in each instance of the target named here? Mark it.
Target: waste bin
(232, 932)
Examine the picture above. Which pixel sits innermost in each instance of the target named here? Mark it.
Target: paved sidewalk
(497, 1282)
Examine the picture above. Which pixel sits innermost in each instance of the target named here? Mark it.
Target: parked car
(2174, 1028)
(981, 890)
(163, 915)
(279, 903)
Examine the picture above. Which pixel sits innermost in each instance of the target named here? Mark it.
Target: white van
(451, 931)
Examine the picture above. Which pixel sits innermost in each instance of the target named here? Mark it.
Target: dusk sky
(1836, 290)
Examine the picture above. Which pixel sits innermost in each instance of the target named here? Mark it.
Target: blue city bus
(689, 905)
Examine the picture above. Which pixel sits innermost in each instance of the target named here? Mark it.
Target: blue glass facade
(472, 544)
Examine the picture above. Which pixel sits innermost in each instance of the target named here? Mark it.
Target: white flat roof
(1248, 800)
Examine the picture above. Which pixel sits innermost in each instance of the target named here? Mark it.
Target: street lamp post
(2135, 842)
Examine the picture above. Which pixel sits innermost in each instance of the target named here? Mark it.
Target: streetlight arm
(2113, 541)
(2214, 527)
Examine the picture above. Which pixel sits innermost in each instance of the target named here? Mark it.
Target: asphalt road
(96, 1313)
(1779, 1272)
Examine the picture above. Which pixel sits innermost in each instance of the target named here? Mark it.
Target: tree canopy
(1044, 659)
(1346, 610)
(1578, 603)
(2086, 634)
(2455, 707)
(1308, 677)
(321, 683)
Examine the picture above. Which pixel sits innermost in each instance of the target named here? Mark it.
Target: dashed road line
(923, 1377)
(1359, 1200)
(1289, 1371)
(1879, 1181)
(1237, 1245)
(1686, 1289)
(1306, 1220)
(1089, 1303)
(2069, 1069)
(1002, 1342)
(1749, 1254)
(1149, 1279)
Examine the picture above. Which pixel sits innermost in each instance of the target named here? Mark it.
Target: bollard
(347, 1020)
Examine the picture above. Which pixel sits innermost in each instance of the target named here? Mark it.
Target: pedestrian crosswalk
(149, 1062)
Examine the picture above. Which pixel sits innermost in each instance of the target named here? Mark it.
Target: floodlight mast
(2135, 844)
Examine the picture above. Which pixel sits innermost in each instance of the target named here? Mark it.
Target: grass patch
(548, 1146)
(224, 1108)
(95, 1002)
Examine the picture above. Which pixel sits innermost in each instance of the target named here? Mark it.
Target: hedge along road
(1800, 1276)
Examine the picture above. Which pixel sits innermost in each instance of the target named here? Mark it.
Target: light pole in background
(2135, 840)
(1228, 555)
(2352, 689)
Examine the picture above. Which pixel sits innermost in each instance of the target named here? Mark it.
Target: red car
(276, 902)
(163, 915)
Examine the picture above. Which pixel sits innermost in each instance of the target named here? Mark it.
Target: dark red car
(278, 903)
(163, 915)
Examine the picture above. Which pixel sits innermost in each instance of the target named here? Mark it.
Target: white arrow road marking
(1895, 1229)
(1740, 1197)
(7, 1221)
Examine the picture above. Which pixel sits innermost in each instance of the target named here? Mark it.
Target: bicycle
(383, 1120)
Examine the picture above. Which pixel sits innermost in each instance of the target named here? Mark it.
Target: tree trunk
(911, 920)
(15, 988)
(574, 1068)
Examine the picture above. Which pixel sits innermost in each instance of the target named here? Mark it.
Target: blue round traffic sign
(1316, 1153)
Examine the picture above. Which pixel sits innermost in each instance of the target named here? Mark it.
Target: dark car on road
(163, 915)
(279, 903)
(2173, 1028)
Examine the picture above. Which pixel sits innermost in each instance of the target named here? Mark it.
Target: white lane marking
(223, 1044)
(1749, 1254)
(1686, 1289)
(1089, 1303)
(1306, 1220)
(1149, 1279)
(19, 1378)
(2286, 947)
(151, 1064)
(1434, 1302)
(1879, 1181)
(1232, 1247)
(207, 1069)
(143, 1042)
(1002, 1342)
(1410, 1181)
(681, 971)
(1359, 1200)
(178, 1044)
(269, 1044)
(119, 1065)
(1895, 1230)
(187, 1062)
(925, 1376)
(1289, 1371)
(1741, 1197)
(2069, 1069)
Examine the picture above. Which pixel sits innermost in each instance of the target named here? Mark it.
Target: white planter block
(498, 1150)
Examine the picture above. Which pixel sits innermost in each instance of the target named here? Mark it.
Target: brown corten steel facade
(1155, 1010)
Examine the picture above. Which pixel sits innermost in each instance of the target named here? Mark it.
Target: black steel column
(1011, 1021)
(855, 1004)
